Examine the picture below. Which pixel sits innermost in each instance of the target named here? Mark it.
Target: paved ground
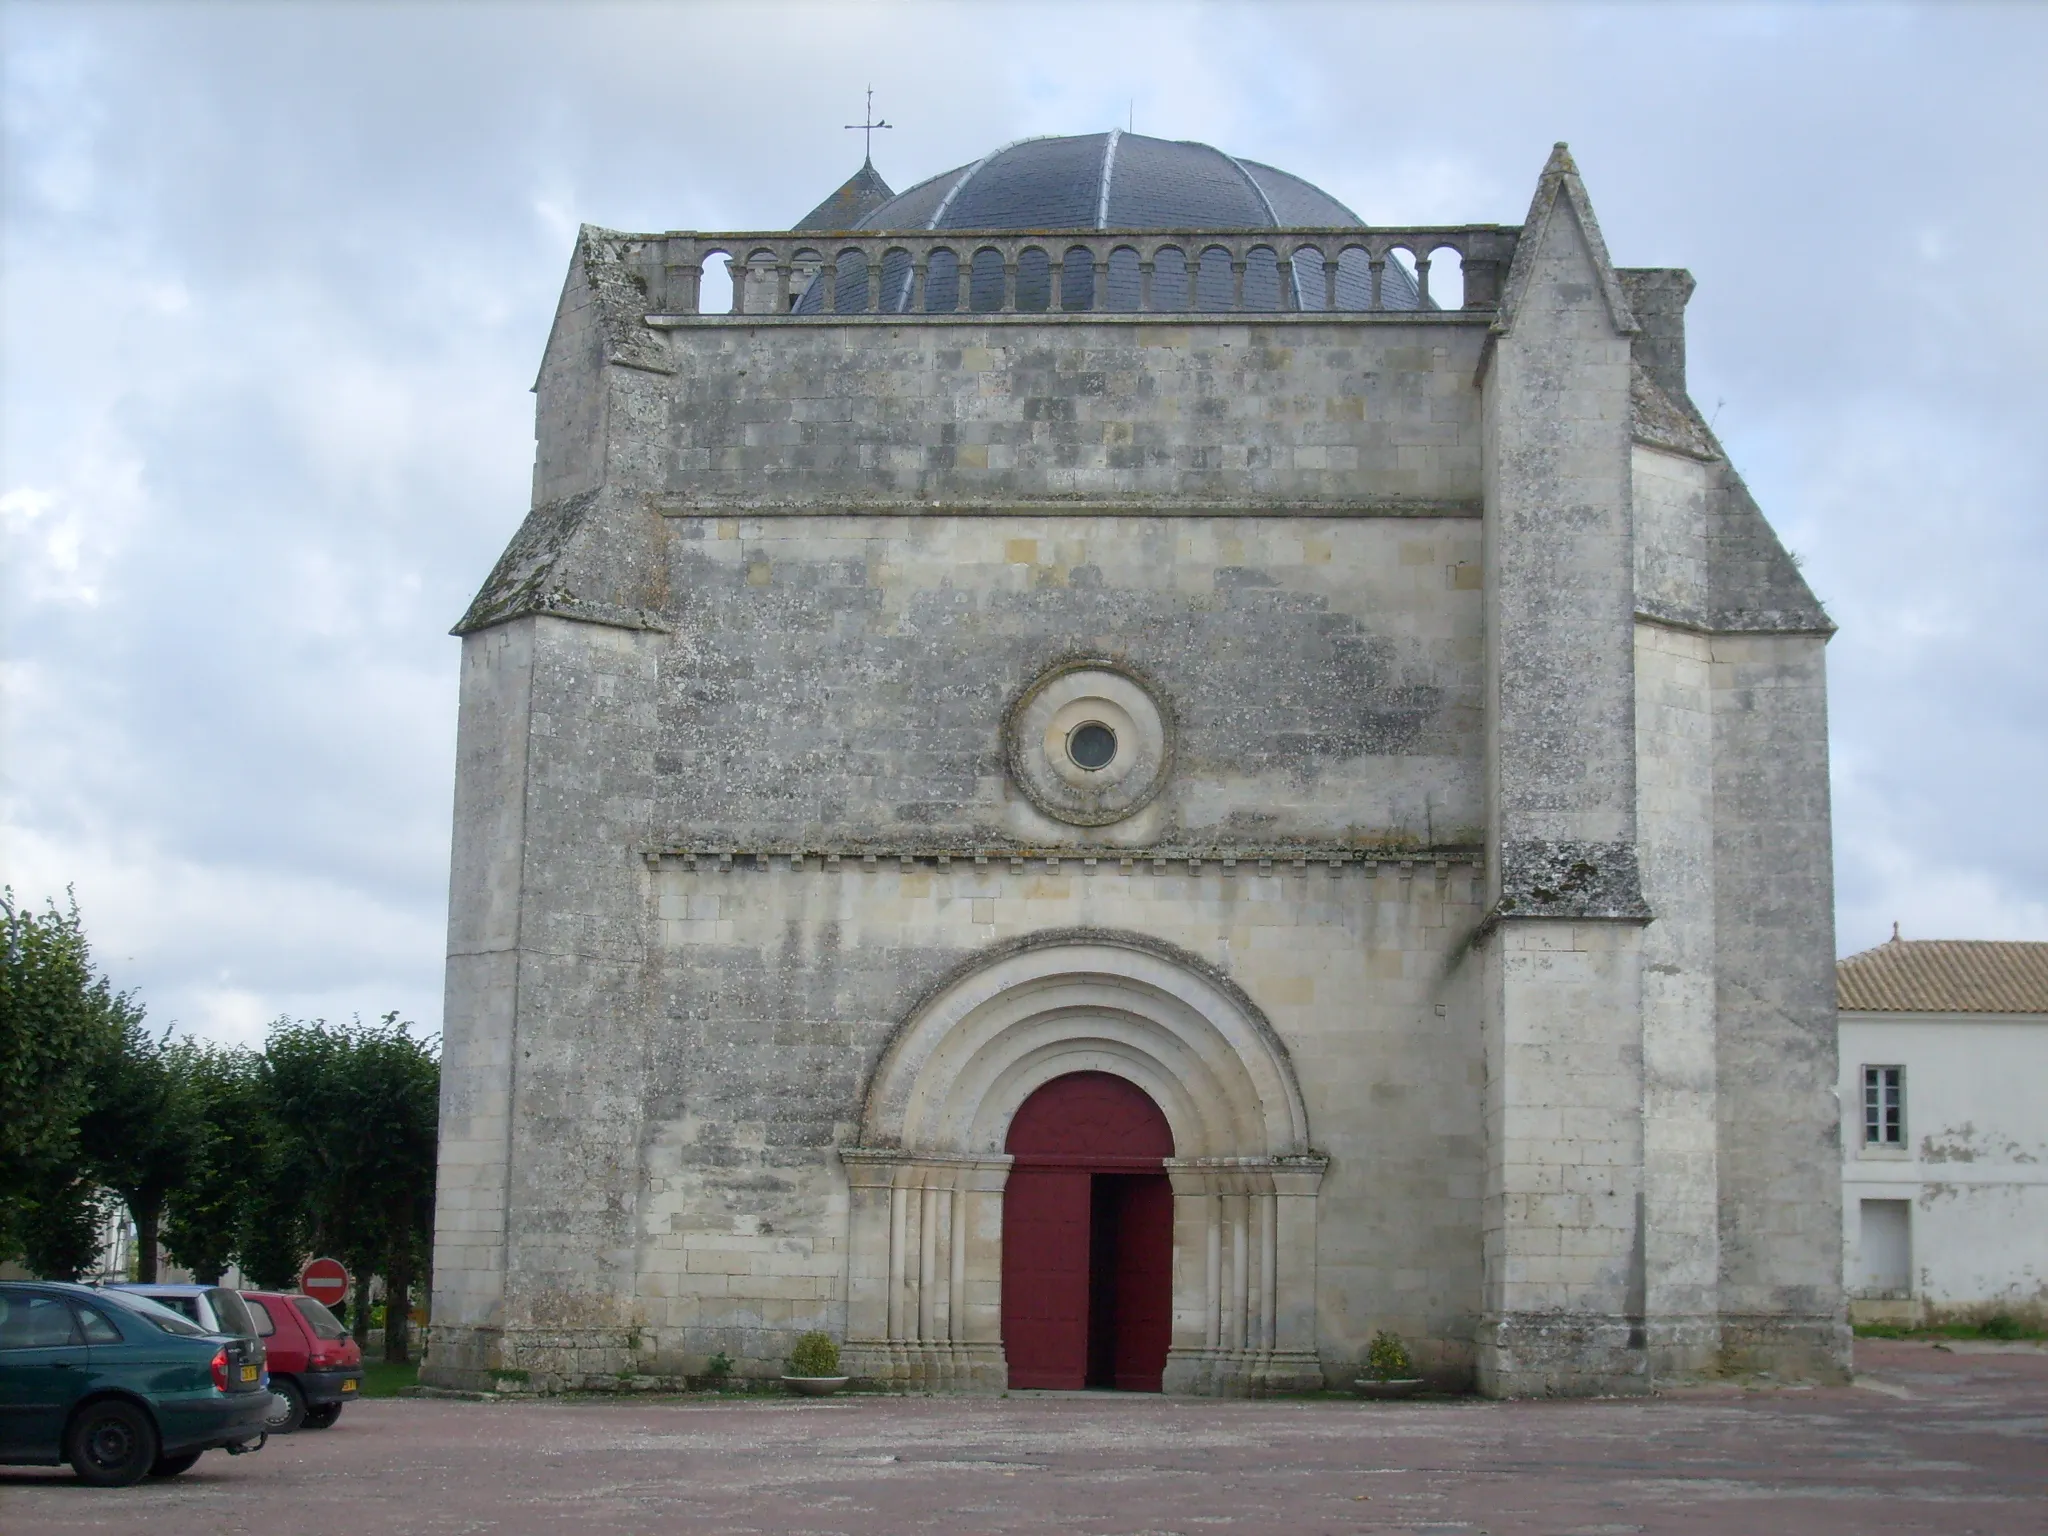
(1952, 1444)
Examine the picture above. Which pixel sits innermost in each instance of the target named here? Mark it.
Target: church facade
(1091, 786)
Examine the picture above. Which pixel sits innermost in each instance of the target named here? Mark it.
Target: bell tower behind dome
(864, 192)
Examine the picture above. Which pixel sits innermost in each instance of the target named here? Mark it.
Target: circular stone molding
(1088, 742)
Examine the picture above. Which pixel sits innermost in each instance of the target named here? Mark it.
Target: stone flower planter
(815, 1386)
(1399, 1386)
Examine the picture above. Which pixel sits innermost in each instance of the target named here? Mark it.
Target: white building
(1944, 1050)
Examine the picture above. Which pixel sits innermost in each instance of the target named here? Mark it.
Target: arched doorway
(929, 1240)
(1088, 1237)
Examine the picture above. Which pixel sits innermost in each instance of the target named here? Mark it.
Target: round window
(1088, 743)
(1092, 745)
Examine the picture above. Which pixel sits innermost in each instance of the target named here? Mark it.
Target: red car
(315, 1367)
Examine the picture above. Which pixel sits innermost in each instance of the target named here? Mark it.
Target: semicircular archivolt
(973, 1051)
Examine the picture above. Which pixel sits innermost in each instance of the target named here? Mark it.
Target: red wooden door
(1144, 1280)
(1087, 1237)
(1089, 1118)
(1045, 1277)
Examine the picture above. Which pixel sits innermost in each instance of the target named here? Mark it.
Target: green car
(118, 1386)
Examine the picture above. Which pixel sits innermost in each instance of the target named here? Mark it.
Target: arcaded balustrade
(1347, 270)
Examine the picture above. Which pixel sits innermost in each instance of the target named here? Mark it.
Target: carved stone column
(1244, 1275)
(924, 1271)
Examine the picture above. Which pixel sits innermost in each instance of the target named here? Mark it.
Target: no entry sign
(325, 1281)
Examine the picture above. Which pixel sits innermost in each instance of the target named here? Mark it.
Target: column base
(906, 1366)
(1212, 1372)
(1562, 1354)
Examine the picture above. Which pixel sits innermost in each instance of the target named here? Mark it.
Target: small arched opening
(714, 283)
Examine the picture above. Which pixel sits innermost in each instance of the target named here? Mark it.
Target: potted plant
(1389, 1371)
(814, 1366)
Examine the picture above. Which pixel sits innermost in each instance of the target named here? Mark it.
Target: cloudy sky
(276, 280)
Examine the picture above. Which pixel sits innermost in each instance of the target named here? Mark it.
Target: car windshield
(162, 1316)
(234, 1317)
(323, 1321)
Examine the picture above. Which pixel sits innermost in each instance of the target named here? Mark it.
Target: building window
(1092, 745)
(1884, 1106)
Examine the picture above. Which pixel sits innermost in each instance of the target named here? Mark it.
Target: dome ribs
(1108, 176)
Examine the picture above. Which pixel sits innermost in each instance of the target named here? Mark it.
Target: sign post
(325, 1280)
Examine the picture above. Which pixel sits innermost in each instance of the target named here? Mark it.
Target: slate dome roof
(1118, 180)
(1110, 180)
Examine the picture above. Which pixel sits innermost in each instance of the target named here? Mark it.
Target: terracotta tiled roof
(1945, 976)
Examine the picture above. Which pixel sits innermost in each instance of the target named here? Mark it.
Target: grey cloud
(277, 278)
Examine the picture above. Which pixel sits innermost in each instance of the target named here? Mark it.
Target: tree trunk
(398, 1301)
(146, 1223)
(359, 1310)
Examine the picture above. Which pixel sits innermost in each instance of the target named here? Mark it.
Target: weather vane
(868, 127)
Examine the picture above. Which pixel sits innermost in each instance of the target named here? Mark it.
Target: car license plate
(248, 1373)
(348, 1386)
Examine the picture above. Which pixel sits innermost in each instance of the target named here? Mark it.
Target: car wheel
(171, 1466)
(287, 1408)
(322, 1417)
(111, 1444)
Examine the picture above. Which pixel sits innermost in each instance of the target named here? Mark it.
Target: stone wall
(482, 990)
(843, 680)
(1779, 1134)
(546, 1025)
(985, 409)
(784, 985)
(1681, 1177)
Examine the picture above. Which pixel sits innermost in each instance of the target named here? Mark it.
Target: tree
(355, 1108)
(140, 1135)
(63, 1219)
(57, 1019)
(324, 1142)
(277, 1236)
(310, 1098)
(210, 1216)
(400, 1083)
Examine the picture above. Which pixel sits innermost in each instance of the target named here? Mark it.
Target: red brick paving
(1946, 1444)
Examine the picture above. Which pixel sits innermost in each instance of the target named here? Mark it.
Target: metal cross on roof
(869, 126)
